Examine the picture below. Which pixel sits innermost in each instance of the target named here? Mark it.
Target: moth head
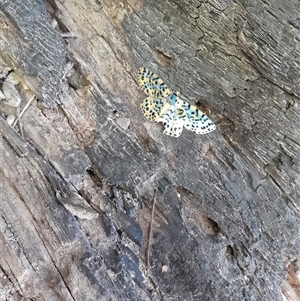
(172, 98)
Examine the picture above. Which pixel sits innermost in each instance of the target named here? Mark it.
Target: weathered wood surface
(76, 190)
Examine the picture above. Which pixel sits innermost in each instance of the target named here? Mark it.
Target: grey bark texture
(77, 187)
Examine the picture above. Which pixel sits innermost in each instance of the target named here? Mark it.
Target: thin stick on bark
(150, 231)
(19, 122)
(23, 111)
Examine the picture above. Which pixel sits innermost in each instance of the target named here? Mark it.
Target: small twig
(150, 231)
(23, 111)
(68, 35)
(19, 122)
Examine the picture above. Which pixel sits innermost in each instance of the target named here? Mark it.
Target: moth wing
(194, 119)
(151, 107)
(152, 85)
(172, 124)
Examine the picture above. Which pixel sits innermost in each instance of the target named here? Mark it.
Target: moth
(164, 105)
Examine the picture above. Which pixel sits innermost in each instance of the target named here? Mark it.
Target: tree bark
(77, 182)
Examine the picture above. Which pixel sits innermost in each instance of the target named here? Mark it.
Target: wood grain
(76, 189)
